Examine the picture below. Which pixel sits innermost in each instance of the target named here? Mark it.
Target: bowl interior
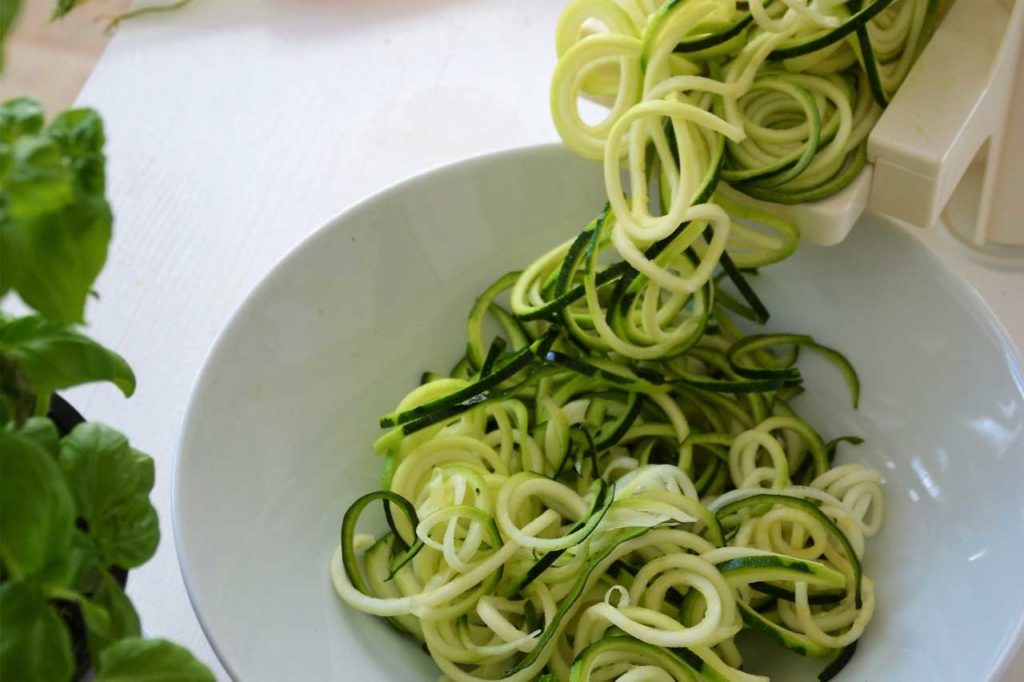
(276, 442)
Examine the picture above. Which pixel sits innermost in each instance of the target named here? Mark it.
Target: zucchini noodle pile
(791, 87)
(613, 482)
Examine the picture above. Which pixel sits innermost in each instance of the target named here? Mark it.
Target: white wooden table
(238, 126)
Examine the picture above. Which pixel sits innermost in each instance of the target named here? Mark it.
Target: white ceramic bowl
(276, 442)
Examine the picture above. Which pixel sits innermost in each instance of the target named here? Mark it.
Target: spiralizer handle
(955, 99)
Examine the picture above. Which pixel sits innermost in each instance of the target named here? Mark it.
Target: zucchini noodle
(576, 513)
(618, 482)
(795, 86)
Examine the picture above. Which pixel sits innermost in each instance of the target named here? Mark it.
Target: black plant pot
(65, 418)
(63, 415)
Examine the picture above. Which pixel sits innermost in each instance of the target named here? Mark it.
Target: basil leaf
(150, 660)
(79, 134)
(84, 560)
(55, 356)
(21, 116)
(34, 645)
(53, 259)
(109, 616)
(110, 482)
(17, 398)
(55, 222)
(9, 10)
(36, 511)
(38, 179)
(43, 433)
(63, 7)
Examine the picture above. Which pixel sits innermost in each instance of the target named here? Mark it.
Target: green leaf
(109, 616)
(52, 259)
(38, 179)
(150, 660)
(34, 644)
(110, 482)
(80, 136)
(36, 511)
(54, 356)
(17, 399)
(55, 222)
(9, 10)
(63, 7)
(43, 433)
(84, 560)
(20, 116)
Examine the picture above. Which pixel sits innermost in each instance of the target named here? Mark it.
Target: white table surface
(236, 127)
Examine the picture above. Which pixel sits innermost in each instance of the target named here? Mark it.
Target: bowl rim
(1014, 355)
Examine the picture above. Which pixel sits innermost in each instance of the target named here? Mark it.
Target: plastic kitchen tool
(987, 209)
(958, 105)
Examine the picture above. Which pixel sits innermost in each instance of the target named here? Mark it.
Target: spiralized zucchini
(794, 87)
(619, 483)
(577, 513)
